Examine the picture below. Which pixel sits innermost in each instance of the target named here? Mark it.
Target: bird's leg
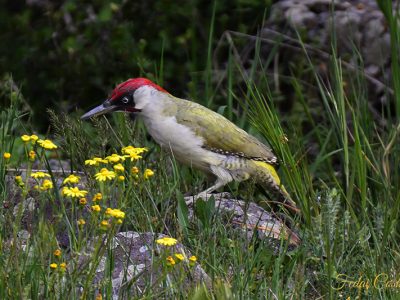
(223, 177)
(206, 193)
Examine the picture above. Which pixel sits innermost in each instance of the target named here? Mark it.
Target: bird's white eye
(125, 100)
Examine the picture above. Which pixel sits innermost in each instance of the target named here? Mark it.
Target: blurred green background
(70, 54)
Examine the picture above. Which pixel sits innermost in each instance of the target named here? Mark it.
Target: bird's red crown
(132, 85)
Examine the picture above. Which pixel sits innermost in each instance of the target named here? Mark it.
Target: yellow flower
(32, 155)
(104, 175)
(148, 173)
(115, 213)
(53, 266)
(104, 225)
(57, 253)
(133, 156)
(107, 213)
(40, 175)
(170, 261)
(81, 222)
(47, 144)
(82, 201)
(135, 170)
(100, 160)
(73, 192)
(96, 208)
(167, 241)
(71, 179)
(115, 158)
(7, 155)
(34, 138)
(63, 266)
(130, 149)
(119, 221)
(97, 197)
(46, 185)
(25, 138)
(99, 297)
(19, 181)
(91, 162)
(118, 214)
(121, 178)
(179, 256)
(119, 168)
(192, 260)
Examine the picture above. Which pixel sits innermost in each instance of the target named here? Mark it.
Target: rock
(139, 264)
(358, 25)
(251, 219)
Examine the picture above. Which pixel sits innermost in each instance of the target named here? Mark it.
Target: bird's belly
(181, 141)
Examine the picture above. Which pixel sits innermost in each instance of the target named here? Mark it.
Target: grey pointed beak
(102, 109)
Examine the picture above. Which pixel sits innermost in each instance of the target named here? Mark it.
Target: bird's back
(219, 134)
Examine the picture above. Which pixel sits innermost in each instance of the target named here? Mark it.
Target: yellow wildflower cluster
(115, 213)
(117, 161)
(46, 183)
(34, 139)
(179, 257)
(29, 138)
(54, 266)
(109, 213)
(36, 142)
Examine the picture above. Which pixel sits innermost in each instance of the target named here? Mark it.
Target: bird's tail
(269, 179)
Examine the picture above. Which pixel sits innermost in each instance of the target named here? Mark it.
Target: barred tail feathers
(267, 176)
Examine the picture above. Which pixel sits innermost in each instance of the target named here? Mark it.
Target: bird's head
(129, 96)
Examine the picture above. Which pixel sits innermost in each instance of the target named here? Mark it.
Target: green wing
(220, 134)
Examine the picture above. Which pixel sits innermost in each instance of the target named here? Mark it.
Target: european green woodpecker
(198, 136)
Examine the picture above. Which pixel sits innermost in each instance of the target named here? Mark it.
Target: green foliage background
(68, 54)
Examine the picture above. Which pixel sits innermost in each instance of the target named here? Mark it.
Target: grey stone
(136, 272)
